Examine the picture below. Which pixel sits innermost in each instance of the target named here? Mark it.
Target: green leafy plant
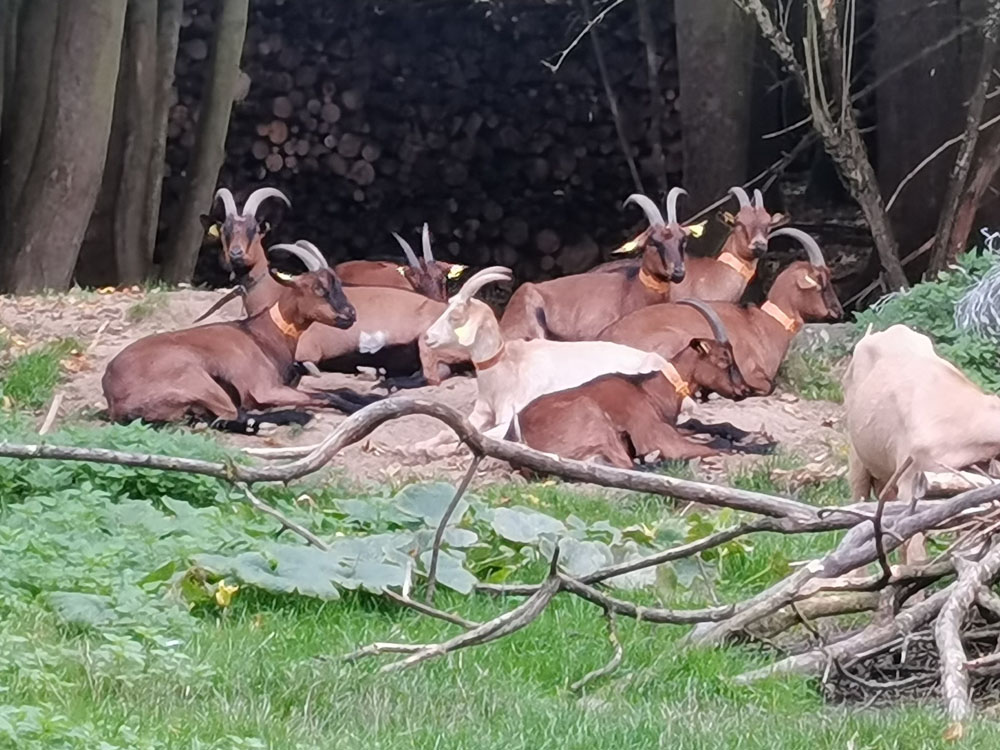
(811, 376)
(930, 308)
(154, 301)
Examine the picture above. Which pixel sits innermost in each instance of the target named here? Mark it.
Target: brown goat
(617, 418)
(760, 335)
(423, 275)
(723, 278)
(578, 307)
(221, 372)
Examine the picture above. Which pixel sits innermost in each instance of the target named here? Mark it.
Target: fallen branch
(443, 525)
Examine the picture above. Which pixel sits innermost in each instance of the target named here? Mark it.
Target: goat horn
(672, 196)
(649, 208)
(227, 201)
(310, 261)
(259, 196)
(718, 329)
(425, 241)
(315, 251)
(482, 278)
(741, 195)
(758, 198)
(407, 251)
(807, 242)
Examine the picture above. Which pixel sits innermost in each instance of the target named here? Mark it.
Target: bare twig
(883, 560)
(426, 609)
(612, 665)
(51, 414)
(286, 523)
(554, 67)
(947, 633)
(443, 525)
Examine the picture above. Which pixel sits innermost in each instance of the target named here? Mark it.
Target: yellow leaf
(954, 732)
(224, 593)
(106, 290)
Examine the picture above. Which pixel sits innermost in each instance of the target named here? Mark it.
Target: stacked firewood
(379, 117)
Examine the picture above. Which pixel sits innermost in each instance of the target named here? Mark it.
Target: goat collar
(490, 361)
(789, 323)
(680, 384)
(746, 269)
(289, 329)
(653, 284)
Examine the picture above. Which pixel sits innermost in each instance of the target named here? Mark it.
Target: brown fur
(430, 280)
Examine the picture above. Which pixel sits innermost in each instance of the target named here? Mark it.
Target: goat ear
(808, 282)
(727, 218)
(695, 230)
(455, 271)
(702, 346)
(778, 220)
(210, 225)
(281, 278)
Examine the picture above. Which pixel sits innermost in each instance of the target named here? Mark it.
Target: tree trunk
(654, 135)
(944, 252)
(59, 195)
(168, 27)
(22, 126)
(139, 79)
(987, 166)
(209, 151)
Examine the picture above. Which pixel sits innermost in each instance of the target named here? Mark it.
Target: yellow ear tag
(401, 270)
(696, 230)
(629, 247)
(213, 231)
(465, 334)
(284, 275)
(455, 271)
(728, 218)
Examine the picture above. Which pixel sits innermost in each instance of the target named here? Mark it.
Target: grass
(154, 301)
(266, 672)
(29, 379)
(811, 376)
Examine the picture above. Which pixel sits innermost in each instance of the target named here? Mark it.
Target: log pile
(379, 118)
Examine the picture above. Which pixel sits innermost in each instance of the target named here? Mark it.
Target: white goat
(512, 374)
(905, 402)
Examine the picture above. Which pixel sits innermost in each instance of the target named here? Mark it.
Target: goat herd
(592, 366)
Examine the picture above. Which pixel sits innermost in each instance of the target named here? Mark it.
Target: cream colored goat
(904, 402)
(512, 374)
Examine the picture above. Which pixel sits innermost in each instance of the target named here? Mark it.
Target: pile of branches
(932, 626)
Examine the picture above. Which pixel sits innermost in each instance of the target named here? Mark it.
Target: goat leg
(724, 430)
(416, 380)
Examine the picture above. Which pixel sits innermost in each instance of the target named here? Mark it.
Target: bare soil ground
(103, 323)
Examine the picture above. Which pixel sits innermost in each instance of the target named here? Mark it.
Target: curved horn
(741, 195)
(718, 329)
(482, 278)
(758, 198)
(672, 196)
(425, 242)
(228, 201)
(310, 247)
(649, 208)
(259, 196)
(811, 246)
(407, 251)
(310, 261)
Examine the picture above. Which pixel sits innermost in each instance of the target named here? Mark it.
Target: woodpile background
(378, 117)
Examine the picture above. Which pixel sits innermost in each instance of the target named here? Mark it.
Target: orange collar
(680, 384)
(654, 285)
(788, 323)
(745, 269)
(289, 329)
(490, 361)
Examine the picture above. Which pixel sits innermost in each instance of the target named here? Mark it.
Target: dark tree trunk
(139, 79)
(654, 136)
(22, 126)
(944, 251)
(52, 214)
(987, 165)
(209, 152)
(168, 27)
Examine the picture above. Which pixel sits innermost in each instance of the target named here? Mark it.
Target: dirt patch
(103, 324)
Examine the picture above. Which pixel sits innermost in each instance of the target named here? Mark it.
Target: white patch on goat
(369, 343)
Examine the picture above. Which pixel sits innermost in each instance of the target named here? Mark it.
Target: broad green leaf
(429, 501)
(524, 525)
(74, 608)
(450, 572)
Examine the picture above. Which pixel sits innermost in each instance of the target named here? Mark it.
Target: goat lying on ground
(578, 307)
(904, 403)
(618, 418)
(760, 335)
(511, 374)
(723, 278)
(424, 275)
(223, 372)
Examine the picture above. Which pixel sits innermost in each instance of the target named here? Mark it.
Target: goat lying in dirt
(616, 419)
(580, 306)
(224, 372)
(424, 275)
(512, 374)
(760, 335)
(909, 411)
(723, 278)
